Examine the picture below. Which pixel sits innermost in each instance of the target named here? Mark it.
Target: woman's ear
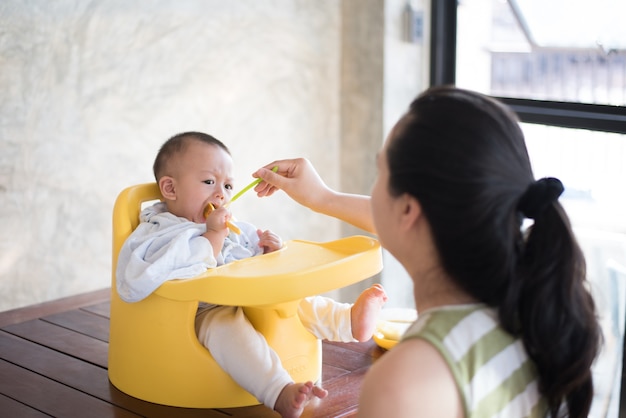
(167, 187)
(410, 211)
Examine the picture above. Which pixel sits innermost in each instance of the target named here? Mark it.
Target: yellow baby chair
(154, 354)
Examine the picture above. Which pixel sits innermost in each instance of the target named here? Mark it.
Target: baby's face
(203, 176)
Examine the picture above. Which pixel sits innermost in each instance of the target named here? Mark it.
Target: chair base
(187, 375)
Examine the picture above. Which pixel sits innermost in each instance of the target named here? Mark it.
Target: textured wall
(90, 89)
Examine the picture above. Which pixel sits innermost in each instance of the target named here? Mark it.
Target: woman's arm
(299, 179)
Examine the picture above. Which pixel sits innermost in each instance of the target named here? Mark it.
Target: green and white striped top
(495, 376)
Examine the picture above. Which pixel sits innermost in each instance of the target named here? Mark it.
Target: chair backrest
(154, 354)
(126, 213)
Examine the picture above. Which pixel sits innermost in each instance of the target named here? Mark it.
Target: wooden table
(53, 362)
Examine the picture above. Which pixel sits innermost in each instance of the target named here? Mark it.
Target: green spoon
(248, 187)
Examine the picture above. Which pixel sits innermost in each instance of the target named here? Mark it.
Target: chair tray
(299, 269)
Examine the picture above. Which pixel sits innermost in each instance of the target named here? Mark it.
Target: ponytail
(550, 306)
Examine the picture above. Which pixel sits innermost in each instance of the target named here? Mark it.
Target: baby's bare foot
(294, 397)
(365, 311)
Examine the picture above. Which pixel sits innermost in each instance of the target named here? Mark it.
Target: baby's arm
(269, 241)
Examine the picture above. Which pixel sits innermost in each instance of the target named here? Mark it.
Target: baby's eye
(209, 182)
(229, 186)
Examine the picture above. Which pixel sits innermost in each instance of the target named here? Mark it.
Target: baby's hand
(217, 220)
(269, 241)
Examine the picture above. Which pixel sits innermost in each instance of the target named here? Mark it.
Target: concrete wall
(90, 89)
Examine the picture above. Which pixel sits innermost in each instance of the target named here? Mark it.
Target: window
(561, 65)
(556, 50)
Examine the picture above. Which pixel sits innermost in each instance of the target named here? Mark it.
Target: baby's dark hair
(177, 144)
(462, 155)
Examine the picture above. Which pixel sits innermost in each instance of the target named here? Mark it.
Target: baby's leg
(242, 352)
(330, 320)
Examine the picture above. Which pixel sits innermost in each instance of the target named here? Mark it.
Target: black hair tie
(539, 195)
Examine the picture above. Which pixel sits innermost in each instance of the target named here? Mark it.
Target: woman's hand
(296, 177)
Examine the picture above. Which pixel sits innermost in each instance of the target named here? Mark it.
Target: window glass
(590, 165)
(561, 50)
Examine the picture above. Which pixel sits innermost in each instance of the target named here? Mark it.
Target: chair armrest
(298, 270)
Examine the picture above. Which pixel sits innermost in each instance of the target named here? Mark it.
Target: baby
(177, 238)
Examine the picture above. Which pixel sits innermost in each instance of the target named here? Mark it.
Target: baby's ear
(167, 187)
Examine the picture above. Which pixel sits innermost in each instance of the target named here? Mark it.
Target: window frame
(595, 117)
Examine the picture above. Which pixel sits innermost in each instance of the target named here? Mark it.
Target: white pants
(244, 354)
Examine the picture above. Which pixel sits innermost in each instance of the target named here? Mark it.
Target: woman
(506, 325)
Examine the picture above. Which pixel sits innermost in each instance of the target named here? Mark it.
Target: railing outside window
(591, 76)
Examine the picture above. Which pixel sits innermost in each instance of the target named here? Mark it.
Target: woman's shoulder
(481, 357)
(412, 379)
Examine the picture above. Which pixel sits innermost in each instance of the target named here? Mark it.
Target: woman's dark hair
(178, 143)
(463, 156)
